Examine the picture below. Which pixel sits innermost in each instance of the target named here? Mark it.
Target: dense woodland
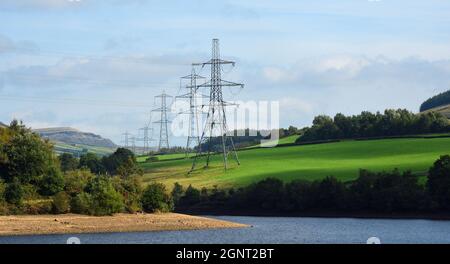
(368, 125)
(435, 101)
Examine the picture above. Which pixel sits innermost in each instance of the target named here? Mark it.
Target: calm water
(276, 230)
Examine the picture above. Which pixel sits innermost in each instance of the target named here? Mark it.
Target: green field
(341, 159)
(61, 147)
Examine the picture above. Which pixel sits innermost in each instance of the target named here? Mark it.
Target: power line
(216, 121)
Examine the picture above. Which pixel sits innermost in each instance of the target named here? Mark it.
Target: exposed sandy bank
(65, 224)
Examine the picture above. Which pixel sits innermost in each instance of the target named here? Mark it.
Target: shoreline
(23, 225)
(361, 215)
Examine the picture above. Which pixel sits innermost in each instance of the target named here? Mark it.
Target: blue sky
(96, 64)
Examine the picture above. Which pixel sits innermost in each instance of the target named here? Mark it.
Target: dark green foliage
(439, 182)
(104, 199)
(76, 181)
(191, 196)
(392, 123)
(52, 182)
(92, 162)
(68, 162)
(156, 199)
(385, 192)
(131, 190)
(122, 162)
(82, 204)
(61, 203)
(14, 192)
(435, 101)
(24, 155)
(177, 192)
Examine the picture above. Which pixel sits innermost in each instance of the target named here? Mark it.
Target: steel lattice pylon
(216, 121)
(193, 139)
(164, 131)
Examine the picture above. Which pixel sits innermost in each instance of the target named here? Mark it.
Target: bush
(68, 162)
(14, 192)
(76, 181)
(52, 182)
(105, 199)
(61, 203)
(131, 190)
(156, 199)
(82, 204)
(37, 207)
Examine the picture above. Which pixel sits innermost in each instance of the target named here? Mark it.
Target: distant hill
(442, 99)
(71, 140)
(2, 125)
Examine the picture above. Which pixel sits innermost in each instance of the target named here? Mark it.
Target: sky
(96, 65)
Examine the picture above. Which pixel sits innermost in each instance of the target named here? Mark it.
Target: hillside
(444, 110)
(309, 162)
(442, 99)
(73, 141)
(2, 125)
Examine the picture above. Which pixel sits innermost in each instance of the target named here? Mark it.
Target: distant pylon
(133, 144)
(216, 121)
(125, 141)
(193, 138)
(146, 138)
(163, 132)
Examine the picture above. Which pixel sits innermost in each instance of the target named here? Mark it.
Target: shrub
(14, 192)
(76, 181)
(52, 182)
(131, 190)
(37, 207)
(105, 199)
(81, 204)
(156, 199)
(61, 203)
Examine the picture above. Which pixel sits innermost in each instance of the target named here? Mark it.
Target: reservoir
(293, 230)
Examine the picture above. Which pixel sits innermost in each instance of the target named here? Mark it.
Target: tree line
(398, 122)
(372, 192)
(33, 180)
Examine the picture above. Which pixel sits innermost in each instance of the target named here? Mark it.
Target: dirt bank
(70, 223)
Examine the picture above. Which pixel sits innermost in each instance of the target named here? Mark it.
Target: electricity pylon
(126, 137)
(193, 138)
(216, 121)
(146, 138)
(163, 132)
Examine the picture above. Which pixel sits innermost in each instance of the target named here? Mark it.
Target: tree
(177, 192)
(24, 156)
(439, 182)
(52, 182)
(191, 196)
(156, 199)
(68, 162)
(122, 162)
(105, 200)
(76, 181)
(92, 162)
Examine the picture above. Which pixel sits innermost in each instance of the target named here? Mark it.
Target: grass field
(341, 159)
(66, 148)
